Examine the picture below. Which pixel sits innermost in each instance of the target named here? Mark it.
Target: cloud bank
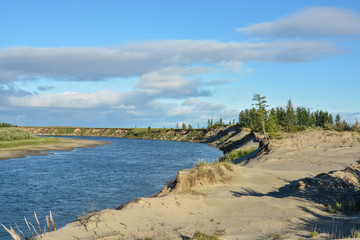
(97, 64)
(313, 22)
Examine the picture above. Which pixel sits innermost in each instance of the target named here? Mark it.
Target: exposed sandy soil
(256, 199)
(65, 144)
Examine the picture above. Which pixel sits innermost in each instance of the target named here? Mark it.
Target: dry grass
(32, 228)
(235, 154)
(209, 172)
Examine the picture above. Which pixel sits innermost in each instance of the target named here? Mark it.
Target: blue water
(72, 183)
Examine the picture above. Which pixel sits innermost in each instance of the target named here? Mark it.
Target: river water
(72, 183)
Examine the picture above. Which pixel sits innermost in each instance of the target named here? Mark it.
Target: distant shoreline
(65, 144)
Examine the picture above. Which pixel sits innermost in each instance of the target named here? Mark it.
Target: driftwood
(16, 236)
(37, 220)
(52, 221)
(28, 226)
(12, 232)
(48, 224)
(21, 231)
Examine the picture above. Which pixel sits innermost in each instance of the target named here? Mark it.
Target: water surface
(72, 183)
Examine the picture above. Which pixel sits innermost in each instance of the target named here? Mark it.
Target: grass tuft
(235, 154)
(314, 234)
(200, 163)
(198, 235)
(355, 233)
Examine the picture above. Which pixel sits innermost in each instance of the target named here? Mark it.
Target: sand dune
(256, 199)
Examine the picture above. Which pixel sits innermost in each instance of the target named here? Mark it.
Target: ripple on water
(71, 183)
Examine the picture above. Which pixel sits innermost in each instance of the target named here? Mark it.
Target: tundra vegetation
(13, 136)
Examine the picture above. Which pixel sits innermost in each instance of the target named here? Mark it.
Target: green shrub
(13, 133)
(198, 235)
(200, 163)
(314, 234)
(235, 154)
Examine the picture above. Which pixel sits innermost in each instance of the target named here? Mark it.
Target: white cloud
(313, 22)
(220, 81)
(95, 64)
(167, 78)
(45, 88)
(67, 100)
(171, 82)
(193, 109)
(190, 101)
(232, 66)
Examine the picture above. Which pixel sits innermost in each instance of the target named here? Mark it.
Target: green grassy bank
(15, 137)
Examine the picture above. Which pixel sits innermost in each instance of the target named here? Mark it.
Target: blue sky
(158, 63)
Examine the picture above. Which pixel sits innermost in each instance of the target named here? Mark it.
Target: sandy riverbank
(64, 144)
(259, 202)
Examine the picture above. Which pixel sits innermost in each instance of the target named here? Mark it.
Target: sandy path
(260, 202)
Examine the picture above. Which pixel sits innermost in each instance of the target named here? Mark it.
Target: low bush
(235, 154)
(198, 235)
(13, 133)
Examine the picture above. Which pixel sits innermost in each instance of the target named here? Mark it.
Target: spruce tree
(290, 116)
(260, 103)
(337, 119)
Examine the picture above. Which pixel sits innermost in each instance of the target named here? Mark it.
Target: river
(72, 183)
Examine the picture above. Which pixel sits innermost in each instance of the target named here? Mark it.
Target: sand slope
(257, 200)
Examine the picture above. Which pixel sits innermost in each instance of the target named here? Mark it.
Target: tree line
(260, 119)
(7, 125)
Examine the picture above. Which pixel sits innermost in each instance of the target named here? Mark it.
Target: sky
(105, 63)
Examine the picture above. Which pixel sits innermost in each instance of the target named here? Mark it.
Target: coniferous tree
(281, 117)
(337, 118)
(337, 121)
(271, 126)
(260, 103)
(312, 120)
(356, 126)
(330, 119)
(244, 118)
(290, 116)
(254, 121)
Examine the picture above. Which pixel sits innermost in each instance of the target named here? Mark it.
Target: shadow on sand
(336, 225)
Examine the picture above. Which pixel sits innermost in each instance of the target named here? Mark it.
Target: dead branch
(12, 232)
(21, 232)
(48, 224)
(52, 221)
(33, 228)
(28, 226)
(37, 222)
